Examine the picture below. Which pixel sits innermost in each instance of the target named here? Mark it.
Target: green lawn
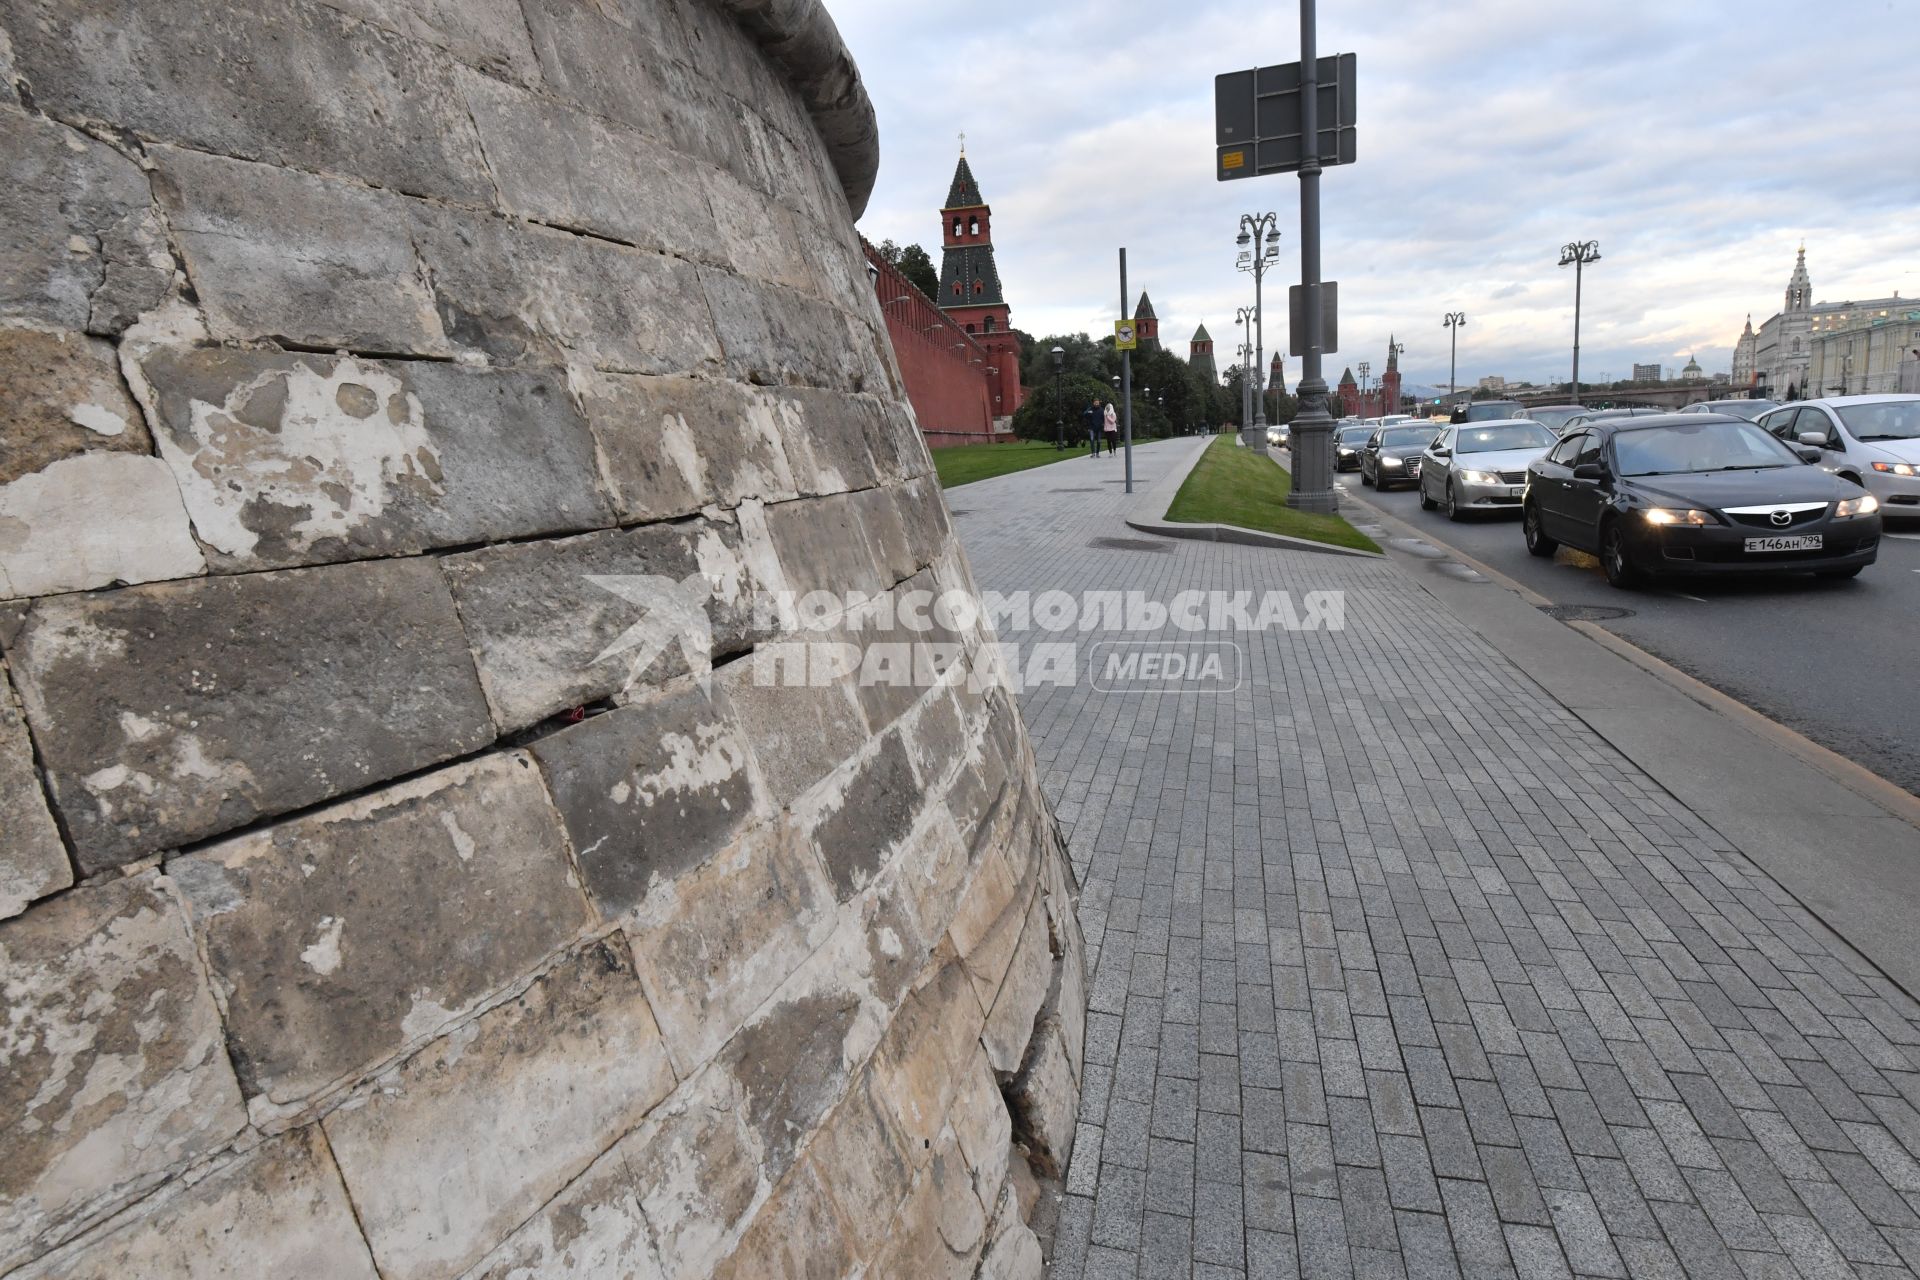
(965, 463)
(1240, 486)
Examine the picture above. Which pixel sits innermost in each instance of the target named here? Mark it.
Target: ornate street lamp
(1578, 254)
(1259, 242)
(1454, 322)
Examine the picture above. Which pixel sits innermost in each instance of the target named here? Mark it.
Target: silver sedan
(1481, 466)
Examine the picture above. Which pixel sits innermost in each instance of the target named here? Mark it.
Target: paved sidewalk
(1400, 970)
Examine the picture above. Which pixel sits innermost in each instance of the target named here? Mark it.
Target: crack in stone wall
(362, 911)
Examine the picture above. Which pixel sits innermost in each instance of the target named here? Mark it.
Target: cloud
(1698, 143)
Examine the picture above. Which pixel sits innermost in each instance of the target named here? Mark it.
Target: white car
(1873, 441)
(1481, 466)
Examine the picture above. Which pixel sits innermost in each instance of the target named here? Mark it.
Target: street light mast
(1059, 422)
(1579, 253)
(1259, 242)
(1454, 322)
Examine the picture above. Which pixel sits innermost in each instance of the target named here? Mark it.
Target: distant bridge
(1667, 396)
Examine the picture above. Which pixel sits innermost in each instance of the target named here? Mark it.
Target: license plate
(1797, 542)
(1516, 491)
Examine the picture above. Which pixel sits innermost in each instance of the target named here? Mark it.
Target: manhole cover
(1076, 491)
(1584, 612)
(1129, 544)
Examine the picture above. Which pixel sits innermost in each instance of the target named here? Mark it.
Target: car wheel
(1852, 572)
(1619, 569)
(1537, 540)
(1452, 506)
(1364, 477)
(1426, 503)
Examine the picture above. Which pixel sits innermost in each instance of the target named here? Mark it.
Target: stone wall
(369, 903)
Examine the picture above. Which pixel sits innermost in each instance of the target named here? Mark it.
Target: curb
(1160, 496)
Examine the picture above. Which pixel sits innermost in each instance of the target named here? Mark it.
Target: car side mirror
(1589, 471)
(1808, 453)
(1441, 451)
(1818, 439)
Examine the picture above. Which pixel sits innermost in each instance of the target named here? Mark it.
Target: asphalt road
(1834, 661)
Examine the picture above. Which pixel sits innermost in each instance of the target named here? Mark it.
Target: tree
(912, 262)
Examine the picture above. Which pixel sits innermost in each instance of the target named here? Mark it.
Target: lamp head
(1243, 239)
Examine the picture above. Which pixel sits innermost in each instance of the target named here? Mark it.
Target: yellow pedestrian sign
(1123, 336)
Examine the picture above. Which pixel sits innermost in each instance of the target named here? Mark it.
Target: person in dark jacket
(1094, 420)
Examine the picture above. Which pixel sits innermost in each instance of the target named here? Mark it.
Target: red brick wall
(947, 372)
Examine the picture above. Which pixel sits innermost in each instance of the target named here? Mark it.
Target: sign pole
(1126, 379)
(1313, 427)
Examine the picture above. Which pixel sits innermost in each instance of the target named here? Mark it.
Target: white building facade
(1829, 348)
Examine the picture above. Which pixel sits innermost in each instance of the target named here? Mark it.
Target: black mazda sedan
(1695, 494)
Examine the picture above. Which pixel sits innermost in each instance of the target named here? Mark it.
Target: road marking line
(1684, 596)
(1904, 537)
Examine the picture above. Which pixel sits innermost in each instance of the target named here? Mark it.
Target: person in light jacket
(1110, 426)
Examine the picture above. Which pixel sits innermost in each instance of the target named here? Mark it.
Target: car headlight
(1673, 515)
(1479, 477)
(1389, 461)
(1345, 452)
(1864, 505)
(1897, 468)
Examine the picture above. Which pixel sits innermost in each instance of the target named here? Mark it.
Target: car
(1873, 441)
(1348, 437)
(1488, 411)
(1748, 409)
(1277, 436)
(1554, 416)
(1480, 466)
(1695, 494)
(1392, 455)
(1603, 415)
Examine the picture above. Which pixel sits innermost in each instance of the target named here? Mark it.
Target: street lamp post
(1244, 318)
(1396, 349)
(1259, 242)
(1059, 420)
(1366, 369)
(1454, 322)
(1579, 253)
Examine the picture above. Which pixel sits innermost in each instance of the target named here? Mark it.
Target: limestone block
(341, 937)
(545, 1077)
(553, 624)
(923, 1056)
(887, 535)
(696, 1170)
(113, 1071)
(52, 538)
(76, 223)
(315, 261)
(800, 732)
(294, 459)
(64, 397)
(673, 445)
(986, 927)
(593, 1228)
(980, 1121)
(33, 861)
(860, 815)
(923, 513)
(796, 1235)
(941, 1229)
(650, 790)
(1046, 1102)
(623, 310)
(823, 547)
(775, 335)
(480, 288)
(490, 35)
(279, 1212)
(1022, 993)
(1068, 1002)
(168, 713)
(933, 869)
(715, 943)
(863, 1159)
(760, 238)
(562, 166)
(321, 92)
(1014, 1252)
(826, 437)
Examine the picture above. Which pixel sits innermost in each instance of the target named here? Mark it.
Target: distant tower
(1800, 287)
(1744, 355)
(1200, 356)
(1276, 376)
(1390, 380)
(1692, 373)
(1794, 351)
(1146, 325)
(1348, 394)
(970, 284)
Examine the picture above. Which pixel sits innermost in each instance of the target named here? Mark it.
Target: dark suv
(1488, 411)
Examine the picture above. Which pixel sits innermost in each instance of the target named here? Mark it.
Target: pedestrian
(1110, 426)
(1091, 418)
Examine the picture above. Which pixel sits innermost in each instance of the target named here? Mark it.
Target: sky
(1698, 141)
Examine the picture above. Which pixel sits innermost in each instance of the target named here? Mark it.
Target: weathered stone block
(64, 397)
(76, 224)
(650, 790)
(623, 310)
(341, 937)
(864, 1153)
(552, 624)
(1013, 1253)
(593, 1228)
(774, 335)
(113, 1071)
(169, 713)
(759, 236)
(547, 1077)
(490, 35)
(1022, 993)
(1046, 1102)
(941, 1229)
(826, 439)
(986, 926)
(314, 261)
(861, 815)
(33, 861)
(293, 459)
(920, 1061)
(800, 732)
(321, 91)
(562, 166)
(53, 540)
(796, 1235)
(674, 445)
(822, 547)
(697, 1171)
(980, 1121)
(933, 869)
(715, 943)
(279, 1212)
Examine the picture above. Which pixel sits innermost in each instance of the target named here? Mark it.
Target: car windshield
(1405, 437)
(1888, 420)
(1492, 409)
(1513, 435)
(1354, 435)
(1707, 446)
(1554, 418)
(1748, 409)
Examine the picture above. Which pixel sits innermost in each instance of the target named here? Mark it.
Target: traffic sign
(1123, 336)
(1256, 118)
(1329, 318)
